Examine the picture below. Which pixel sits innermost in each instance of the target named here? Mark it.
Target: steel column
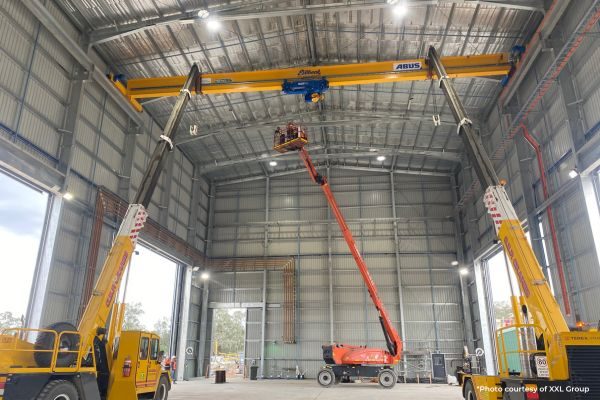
(398, 265)
(263, 327)
(184, 317)
(193, 222)
(203, 328)
(267, 189)
(211, 219)
(460, 257)
(127, 165)
(71, 116)
(486, 329)
(429, 267)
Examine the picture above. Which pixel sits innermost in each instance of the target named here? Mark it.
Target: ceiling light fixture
(380, 158)
(203, 14)
(213, 24)
(68, 196)
(273, 163)
(204, 276)
(400, 9)
(573, 173)
(464, 271)
(454, 263)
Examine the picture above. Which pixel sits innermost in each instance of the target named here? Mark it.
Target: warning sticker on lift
(541, 365)
(407, 66)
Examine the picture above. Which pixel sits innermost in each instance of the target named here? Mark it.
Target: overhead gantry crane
(313, 81)
(346, 361)
(550, 360)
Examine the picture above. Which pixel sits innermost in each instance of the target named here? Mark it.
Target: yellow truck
(96, 360)
(555, 361)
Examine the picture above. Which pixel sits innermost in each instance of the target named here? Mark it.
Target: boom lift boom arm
(394, 344)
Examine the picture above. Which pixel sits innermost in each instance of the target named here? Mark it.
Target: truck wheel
(325, 377)
(469, 391)
(162, 390)
(387, 378)
(59, 390)
(45, 341)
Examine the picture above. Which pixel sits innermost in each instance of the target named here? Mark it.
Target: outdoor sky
(499, 278)
(22, 213)
(152, 283)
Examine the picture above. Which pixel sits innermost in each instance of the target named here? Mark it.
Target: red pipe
(590, 23)
(553, 235)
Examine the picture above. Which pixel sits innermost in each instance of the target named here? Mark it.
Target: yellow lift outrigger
(88, 362)
(312, 82)
(553, 361)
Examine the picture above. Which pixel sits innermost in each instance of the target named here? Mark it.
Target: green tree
(502, 310)
(162, 328)
(133, 313)
(229, 331)
(8, 320)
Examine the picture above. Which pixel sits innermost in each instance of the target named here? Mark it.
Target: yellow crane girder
(486, 65)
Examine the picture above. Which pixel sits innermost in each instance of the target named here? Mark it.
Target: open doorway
(503, 283)
(149, 295)
(23, 210)
(228, 340)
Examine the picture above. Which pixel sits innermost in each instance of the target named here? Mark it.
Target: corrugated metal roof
(236, 129)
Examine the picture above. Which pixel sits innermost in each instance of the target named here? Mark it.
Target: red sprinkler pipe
(555, 246)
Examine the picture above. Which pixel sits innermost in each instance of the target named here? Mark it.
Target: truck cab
(137, 367)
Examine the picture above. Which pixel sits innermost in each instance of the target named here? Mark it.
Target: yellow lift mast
(90, 362)
(550, 360)
(312, 82)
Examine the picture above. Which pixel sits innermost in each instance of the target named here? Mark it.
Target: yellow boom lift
(554, 361)
(96, 361)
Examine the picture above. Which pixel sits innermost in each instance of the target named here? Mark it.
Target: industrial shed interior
(241, 260)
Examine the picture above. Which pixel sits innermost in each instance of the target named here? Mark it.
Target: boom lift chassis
(555, 361)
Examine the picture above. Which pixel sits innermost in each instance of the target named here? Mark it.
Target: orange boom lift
(344, 361)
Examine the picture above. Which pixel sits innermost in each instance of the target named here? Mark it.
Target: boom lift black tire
(387, 378)
(45, 341)
(162, 390)
(325, 377)
(470, 391)
(59, 390)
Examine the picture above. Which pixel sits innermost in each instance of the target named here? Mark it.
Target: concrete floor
(238, 389)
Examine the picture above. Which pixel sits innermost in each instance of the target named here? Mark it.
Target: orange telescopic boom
(344, 360)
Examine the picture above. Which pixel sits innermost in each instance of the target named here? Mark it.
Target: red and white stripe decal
(492, 207)
(140, 219)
